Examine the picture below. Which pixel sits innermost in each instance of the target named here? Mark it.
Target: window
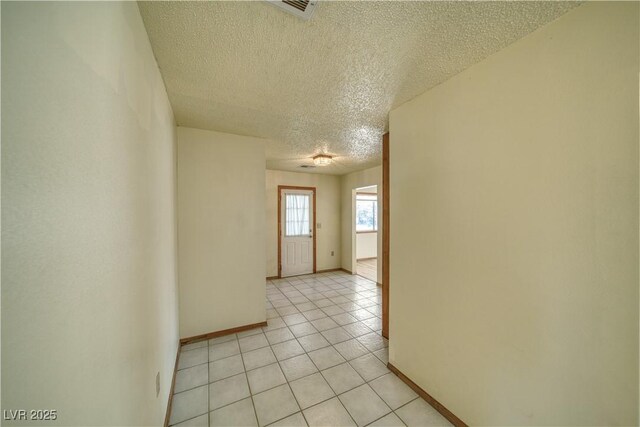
(297, 215)
(366, 212)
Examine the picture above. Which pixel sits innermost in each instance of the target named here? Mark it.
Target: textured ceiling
(327, 84)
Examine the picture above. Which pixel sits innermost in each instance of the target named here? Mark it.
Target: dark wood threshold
(173, 384)
(273, 277)
(428, 398)
(217, 334)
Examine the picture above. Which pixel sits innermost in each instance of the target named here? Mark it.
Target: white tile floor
(321, 361)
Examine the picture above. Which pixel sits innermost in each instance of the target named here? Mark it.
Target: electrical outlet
(158, 384)
(331, 253)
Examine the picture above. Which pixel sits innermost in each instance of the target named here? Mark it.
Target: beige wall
(89, 309)
(221, 231)
(514, 187)
(349, 183)
(366, 245)
(327, 214)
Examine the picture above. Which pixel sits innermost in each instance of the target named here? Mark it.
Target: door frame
(385, 235)
(292, 187)
(354, 233)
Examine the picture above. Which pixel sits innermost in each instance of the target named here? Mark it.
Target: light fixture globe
(322, 160)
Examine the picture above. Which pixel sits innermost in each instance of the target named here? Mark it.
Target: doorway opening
(366, 232)
(296, 230)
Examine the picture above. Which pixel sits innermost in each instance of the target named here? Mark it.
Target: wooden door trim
(385, 235)
(293, 187)
(453, 419)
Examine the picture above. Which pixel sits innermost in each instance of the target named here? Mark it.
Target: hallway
(321, 361)
(368, 268)
(165, 161)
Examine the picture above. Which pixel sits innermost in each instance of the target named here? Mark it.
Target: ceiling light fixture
(322, 160)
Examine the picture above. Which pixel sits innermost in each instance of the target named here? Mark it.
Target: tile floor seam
(208, 387)
(190, 349)
(304, 417)
(348, 412)
(400, 407)
(415, 398)
(386, 415)
(192, 388)
(339, 289)
(282, 360)
(398, 415)
(283, 418)
(380, 397)
(220, 407)
(313, 373)
(188, 419)
(297, 402)
(336, 395)
(246, 377)
(288, 358)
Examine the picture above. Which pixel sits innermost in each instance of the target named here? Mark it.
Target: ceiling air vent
(301, 8)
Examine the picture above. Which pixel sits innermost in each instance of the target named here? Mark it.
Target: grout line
(278, 361)
(332, 345)
(405, 404)
(188, 419)
(380, 397)
(208, 386)
(288, 382)
(294, 398)
(246, 377)
(323, 286)
(336, 395)
(386, 415)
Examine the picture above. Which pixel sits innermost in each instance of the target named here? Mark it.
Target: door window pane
(297, 215)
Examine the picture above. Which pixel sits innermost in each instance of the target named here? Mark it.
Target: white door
(296, 232)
